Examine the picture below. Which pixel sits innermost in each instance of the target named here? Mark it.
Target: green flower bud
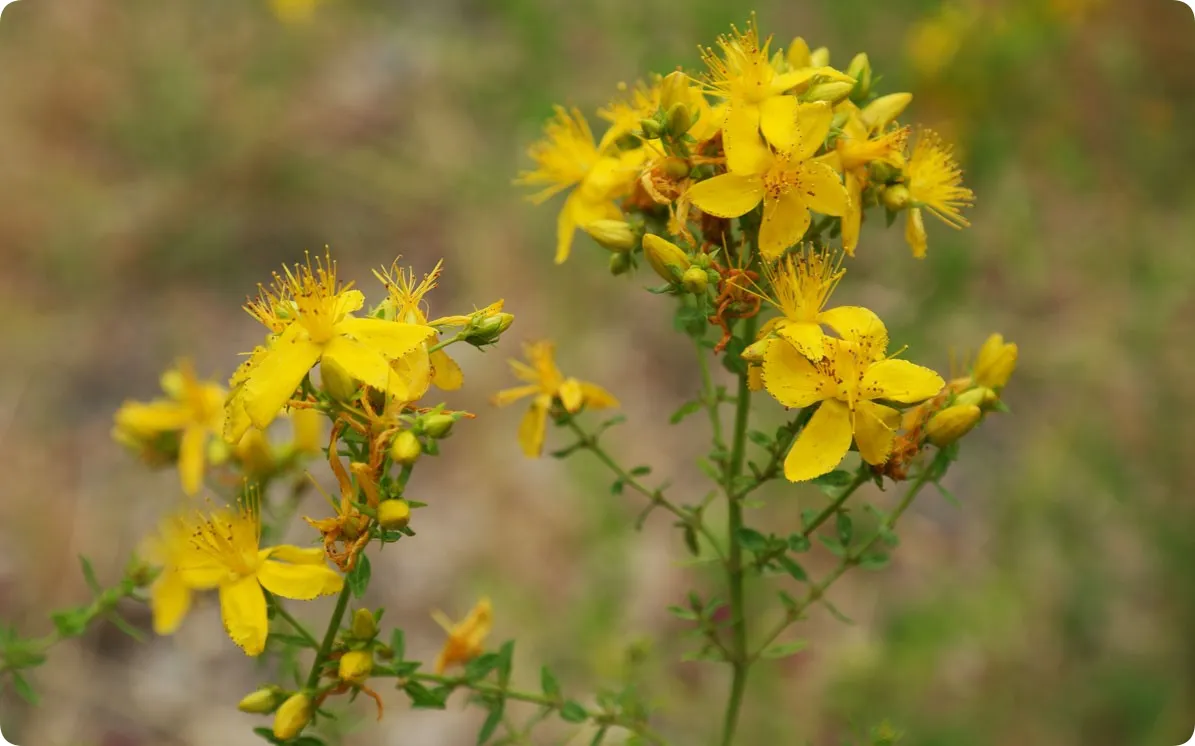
(620, 264)
(679, 119)
(615, 235)
(896, 197)
(364, 626)
(488, 330)
(263, 701)
(832, 91)
(651, 128)
(860, 70)
(674, 89)
(394, 515)
(695, 280)
(405, 448)
(665, 257)
(438, 425)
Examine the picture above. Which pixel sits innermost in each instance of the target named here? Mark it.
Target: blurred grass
(159, 159)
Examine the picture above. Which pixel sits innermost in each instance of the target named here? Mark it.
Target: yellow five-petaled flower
(847, 382)
(466, 638)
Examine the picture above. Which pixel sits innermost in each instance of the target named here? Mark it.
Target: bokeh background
(158, 159)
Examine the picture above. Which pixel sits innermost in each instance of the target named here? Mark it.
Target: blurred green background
(158, 159)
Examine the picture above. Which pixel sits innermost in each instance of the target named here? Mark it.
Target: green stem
(321, 655)
(851, 559)
(711, 399)
(740, 662)
(833, 507)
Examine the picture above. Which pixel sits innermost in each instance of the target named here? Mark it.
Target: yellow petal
(727, 195)
(822, 443)
(300, 582)
(597, 397)
(900, 380)
(273, 381)
(805, 336)
(191, 449)
(566, 228)
(200, 572)
(507, 396)
(349, 301)
(533, 426)
(778, 121)
(884, 109)
(746, 152)
(873, 431)
(236, 419)
(446, 374)
(860, 326)
(852, 220)
(410, 375)
(570, 394)
(785, 220)
(791, 379)
(755, 377)
(308, 426)
(391, 338)
(170, 599)
(243, 609)
(358, 360)
(915, 234)
(293, 554)
(822, 190)
(152, 417)
(813, 124)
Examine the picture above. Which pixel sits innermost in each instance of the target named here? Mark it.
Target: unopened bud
(651, 128)
(896, 197)
(486, 331)
(819, 57)
(665, 257)
(405, 448)
(620, 264)
(615, 235)
(292, 717)
(952, 423)
(832, 91)
(882, 173)
(337, 382)
(394, 515)
(695, 280)
(879, 113)
(355, 666)
(980, 396)
(364, 626)
(261, 702)
(679, 119)
(674, 89)
(438, 425)
(995, 362)
(676, 168)
(798, 54)
(860, 70)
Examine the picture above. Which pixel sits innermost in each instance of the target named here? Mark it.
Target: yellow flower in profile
(856, 147)
(193, 409)
(466, 638)
(789, 182)
(800, 285)
(847, 382)
(547, 384)
(221, 550)
(568, 158)
(934, 181)
(323, 330)
(415, 370)
(755, 95)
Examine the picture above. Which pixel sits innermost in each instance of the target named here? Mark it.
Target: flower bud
(679, 119)
(665, 257)
(879, 113)
(355, 666)
(651, 128)
(695, 280)
(261, 702)
(486, 331)
(832, 91)
(674, 89)
(882, 173)
(364, 626)
(952, 423)
(798, 54)
(896, 197)
(860, 70)
(337, 382)
(980, 396)
(676, 168)
(995, 362)
(394, 515)
(438, 425)
(615, 235)
(405, 448)
(620, 264)
(292, 717)
(819, 57)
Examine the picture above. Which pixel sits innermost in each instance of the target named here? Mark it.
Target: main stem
(321, 655)
(740, 662)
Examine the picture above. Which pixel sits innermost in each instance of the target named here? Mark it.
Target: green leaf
(836, 478)
(691, 540)
(762, 440)
(307, 741)
(24, 690)
(686, 409)
(834, 545)
(877, 561)
(548, 682)
(844, 527)
(119, 622)
(424, 698)
(640, 471)
(70, 622)
(358, 577)
(89, 576)
(792, 568)
(573, 712)
(599, 736)
(836, 613)
(491, 722)
(398, 644)
(732, 358)
(752, 540)
(790, 604)
(950, 498)
(267, 734)
(506, 656)
(784, 649)
(798, 543)
(681, 612)
(617, 487)
(480, 667)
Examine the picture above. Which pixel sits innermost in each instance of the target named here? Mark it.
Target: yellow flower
(788, 182)
(994, 363)
(855, 148)
(466, 638)
(934, 181)
(568, 158)
(193, 409)
(643, 101)
(754, 92)
(800, 286)
(847, 381)
(416, 369)
(221, 550)
(547, 384)
(323, 330)
(293, 11)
